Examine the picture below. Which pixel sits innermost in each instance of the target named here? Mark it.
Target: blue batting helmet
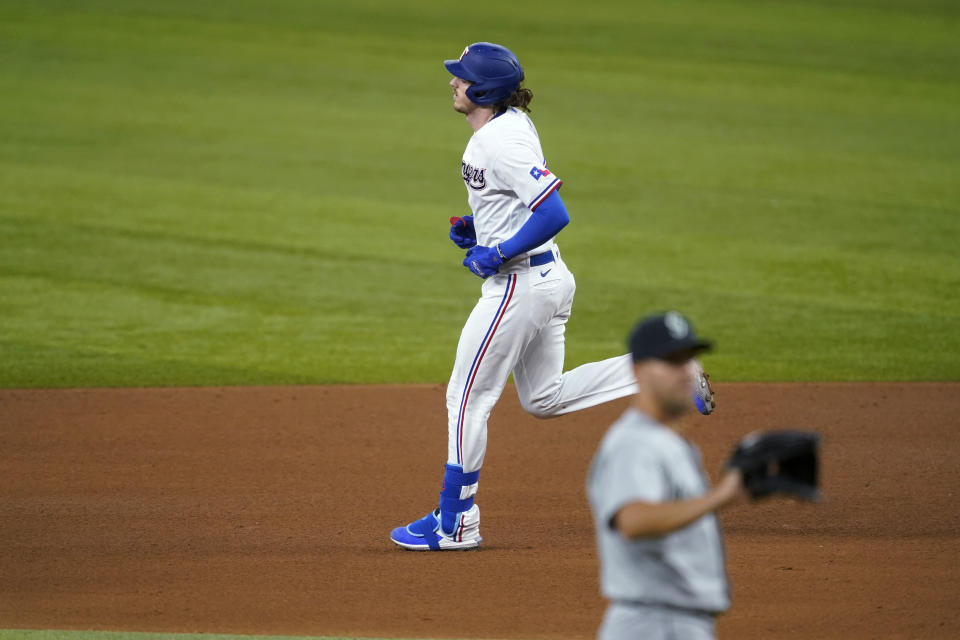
(494, 71)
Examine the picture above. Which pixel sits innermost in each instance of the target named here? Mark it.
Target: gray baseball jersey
(640, 460)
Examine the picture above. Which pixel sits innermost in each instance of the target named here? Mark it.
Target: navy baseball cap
(665, 336)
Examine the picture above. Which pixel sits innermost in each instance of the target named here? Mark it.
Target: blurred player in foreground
(661, 551)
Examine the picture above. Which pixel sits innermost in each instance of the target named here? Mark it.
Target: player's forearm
(646, 520)
(544, 223)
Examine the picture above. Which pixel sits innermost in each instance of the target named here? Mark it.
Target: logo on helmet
(473, 176)
(466, 50)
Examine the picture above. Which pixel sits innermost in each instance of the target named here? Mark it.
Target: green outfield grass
(257, 193)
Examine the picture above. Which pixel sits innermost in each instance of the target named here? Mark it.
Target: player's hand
(731, 487)
(462, 232)
(483, 261)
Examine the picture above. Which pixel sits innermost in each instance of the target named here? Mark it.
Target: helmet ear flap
(477, 95)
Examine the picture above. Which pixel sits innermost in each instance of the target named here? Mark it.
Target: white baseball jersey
(506, 177)
(517, 325)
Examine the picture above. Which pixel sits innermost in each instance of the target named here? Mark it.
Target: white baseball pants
(518, 326)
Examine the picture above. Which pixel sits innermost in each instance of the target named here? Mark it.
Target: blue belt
(541, 259)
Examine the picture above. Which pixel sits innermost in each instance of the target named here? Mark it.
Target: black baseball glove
(779, 462)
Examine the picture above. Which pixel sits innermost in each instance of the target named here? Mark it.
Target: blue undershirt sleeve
(545, 222)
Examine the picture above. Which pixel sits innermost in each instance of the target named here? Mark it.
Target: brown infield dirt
(268, 511)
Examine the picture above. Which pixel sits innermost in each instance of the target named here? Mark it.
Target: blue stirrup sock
(451, 505)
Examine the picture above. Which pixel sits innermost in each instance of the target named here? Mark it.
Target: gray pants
(649, 622)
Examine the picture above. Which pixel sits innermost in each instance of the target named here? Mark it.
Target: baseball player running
(518, 323)
(660, 547)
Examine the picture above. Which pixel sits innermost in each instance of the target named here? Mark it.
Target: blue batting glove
(462, 232)
(483, 261)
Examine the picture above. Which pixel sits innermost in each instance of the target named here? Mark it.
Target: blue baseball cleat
(425, 534)
(703, 396)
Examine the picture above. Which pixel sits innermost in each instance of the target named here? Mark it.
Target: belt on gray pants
(700, 613)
